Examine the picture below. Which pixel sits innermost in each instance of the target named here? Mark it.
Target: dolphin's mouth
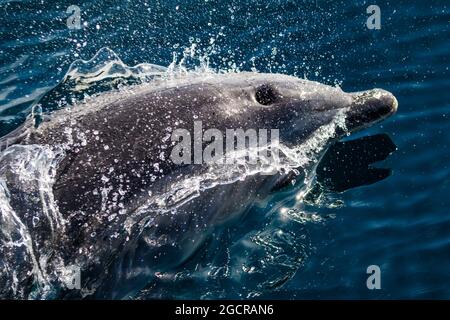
(369, 107)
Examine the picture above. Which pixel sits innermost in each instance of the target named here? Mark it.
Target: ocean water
(322, 250)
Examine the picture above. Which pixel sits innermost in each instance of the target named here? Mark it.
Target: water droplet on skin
(35, 221)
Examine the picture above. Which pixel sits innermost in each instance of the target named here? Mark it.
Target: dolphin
(121, 200)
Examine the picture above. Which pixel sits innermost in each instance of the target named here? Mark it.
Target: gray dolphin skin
(114, 174)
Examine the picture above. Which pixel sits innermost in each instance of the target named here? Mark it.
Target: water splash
(30, 219)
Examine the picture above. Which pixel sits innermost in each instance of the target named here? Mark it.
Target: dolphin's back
(116, 153)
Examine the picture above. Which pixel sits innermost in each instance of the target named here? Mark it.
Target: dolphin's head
(298, 107)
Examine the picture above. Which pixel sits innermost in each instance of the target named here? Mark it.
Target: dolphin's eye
(266, 95)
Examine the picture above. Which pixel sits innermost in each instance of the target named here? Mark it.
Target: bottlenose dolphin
(124, 203)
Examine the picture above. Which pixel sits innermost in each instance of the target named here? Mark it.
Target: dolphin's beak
(369, 107)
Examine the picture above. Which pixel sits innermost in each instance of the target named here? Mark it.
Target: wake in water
(225, 263)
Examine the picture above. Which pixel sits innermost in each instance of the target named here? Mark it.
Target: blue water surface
(401, 223)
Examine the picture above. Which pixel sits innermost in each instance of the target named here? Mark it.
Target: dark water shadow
(348, 164)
